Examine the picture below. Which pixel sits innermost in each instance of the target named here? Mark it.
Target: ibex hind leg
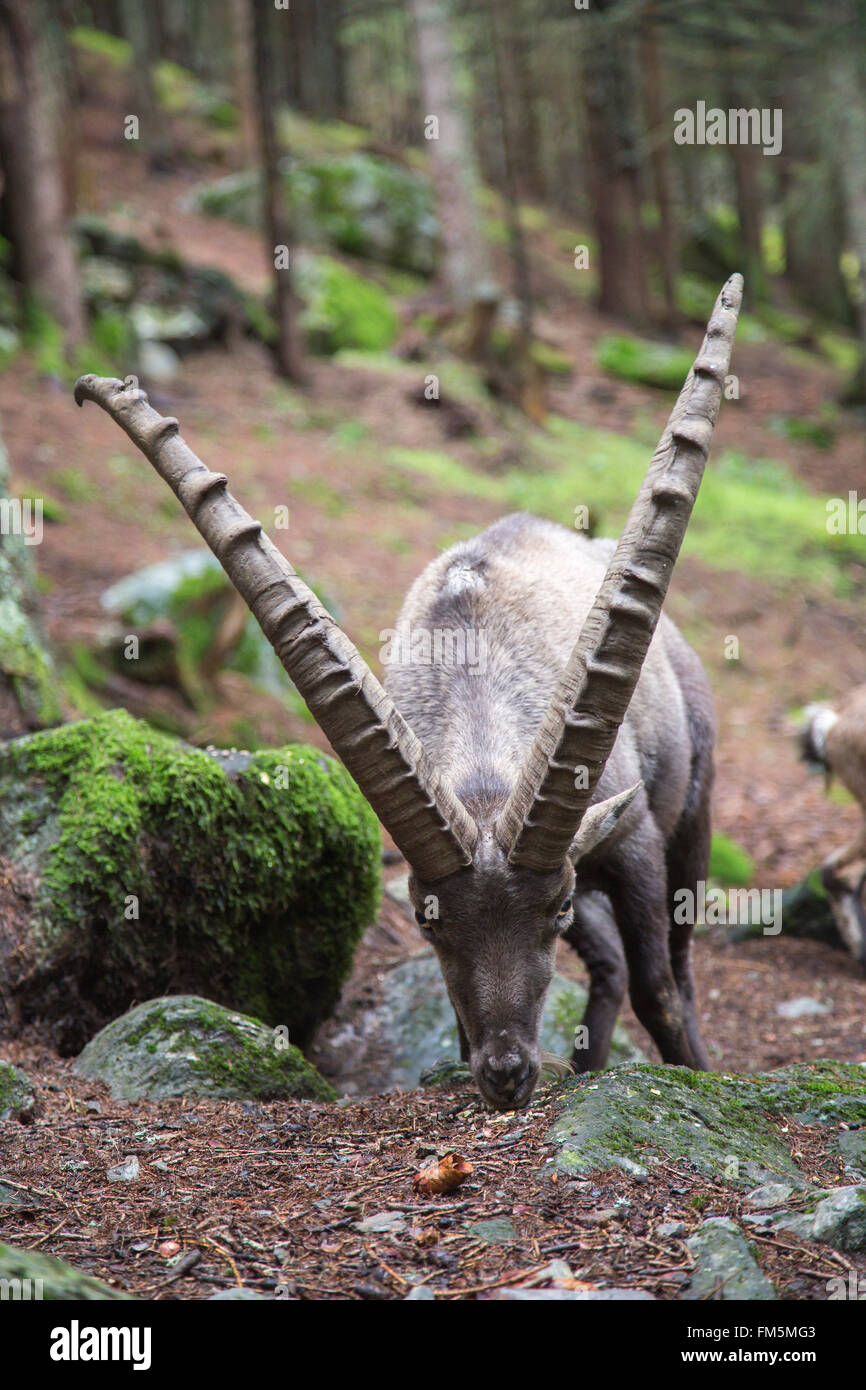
(637, 887)
(594, 936)
(688, 861)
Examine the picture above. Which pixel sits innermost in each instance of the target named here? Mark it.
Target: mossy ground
(722, 1126)
(158, 870)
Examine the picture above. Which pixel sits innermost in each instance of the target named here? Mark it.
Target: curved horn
(425, 818)
(538, 823)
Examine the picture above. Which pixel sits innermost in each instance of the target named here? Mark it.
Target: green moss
(729, 863)
(118, 52)
(341, 309)
(663, 365)
(819, 433)
(284, 853)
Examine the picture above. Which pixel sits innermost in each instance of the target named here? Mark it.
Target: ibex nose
(505, 1076)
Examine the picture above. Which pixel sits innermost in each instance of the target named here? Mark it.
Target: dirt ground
(267, 1195)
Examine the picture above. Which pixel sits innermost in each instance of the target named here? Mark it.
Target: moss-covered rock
(28, 1274)
(724, 1127)
(186, 1046)
(363, 204)
(725, 1265)
(151, 867)
(17, 1094)
(29, 692)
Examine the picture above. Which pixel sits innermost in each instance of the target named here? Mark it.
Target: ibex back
(504, 777)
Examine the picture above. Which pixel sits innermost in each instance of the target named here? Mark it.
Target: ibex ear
(599, 821)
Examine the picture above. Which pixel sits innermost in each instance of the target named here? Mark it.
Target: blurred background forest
(401, 268)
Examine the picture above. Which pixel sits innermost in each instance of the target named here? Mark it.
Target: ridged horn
(573, 742)
(428, 823)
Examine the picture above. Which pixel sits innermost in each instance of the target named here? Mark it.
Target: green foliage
(342, 310)
(752, 515)
(663, 365)
(361, 204)
(730, 865)
(179, 91)
(118, 52)
(818, 433)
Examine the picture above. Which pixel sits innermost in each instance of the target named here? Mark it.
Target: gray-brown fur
(835, 740)
(527, 585)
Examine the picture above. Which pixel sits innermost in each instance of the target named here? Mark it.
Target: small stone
(235, 1295)
(556, 1270)
(383, 1222)
(127, 1171)
(613, 1295)
(839, 1219)
(497, 1231)
(725, 1266)
(670, 1230)
(769, 1194)
(419, 1293)
(802, 1007)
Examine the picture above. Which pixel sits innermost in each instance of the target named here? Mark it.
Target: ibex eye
(565, 909)
(421, 919)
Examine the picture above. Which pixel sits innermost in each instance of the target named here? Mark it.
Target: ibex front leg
(636, 884)
(594, 936)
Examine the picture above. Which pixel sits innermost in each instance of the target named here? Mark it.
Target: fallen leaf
(168, 1248)
(444, 1175)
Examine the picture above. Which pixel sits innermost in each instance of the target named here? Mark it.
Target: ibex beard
(563, 789)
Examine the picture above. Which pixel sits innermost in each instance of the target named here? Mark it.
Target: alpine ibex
(496, 783)
(835, 740)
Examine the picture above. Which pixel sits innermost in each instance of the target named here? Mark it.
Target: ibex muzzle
(558, 787)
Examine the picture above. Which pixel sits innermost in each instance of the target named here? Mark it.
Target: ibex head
(492, 898)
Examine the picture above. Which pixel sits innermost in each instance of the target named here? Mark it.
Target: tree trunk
(849, 109)
(614, 168)
(138, 27)
(244, 77)
(45, 263)
(277, 222)
(659, 136)
(465, 267)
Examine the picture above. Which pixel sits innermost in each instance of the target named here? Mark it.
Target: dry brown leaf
(444, 1175)
(168, 1248)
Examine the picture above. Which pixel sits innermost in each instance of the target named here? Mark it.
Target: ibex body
(523, 590)
(835, 739)
(579, 734)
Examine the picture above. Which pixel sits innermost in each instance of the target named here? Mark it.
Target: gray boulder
(719, 1126)
(185, 1046)
(28, 1274)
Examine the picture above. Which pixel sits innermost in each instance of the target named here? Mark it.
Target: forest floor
(268, 1195)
